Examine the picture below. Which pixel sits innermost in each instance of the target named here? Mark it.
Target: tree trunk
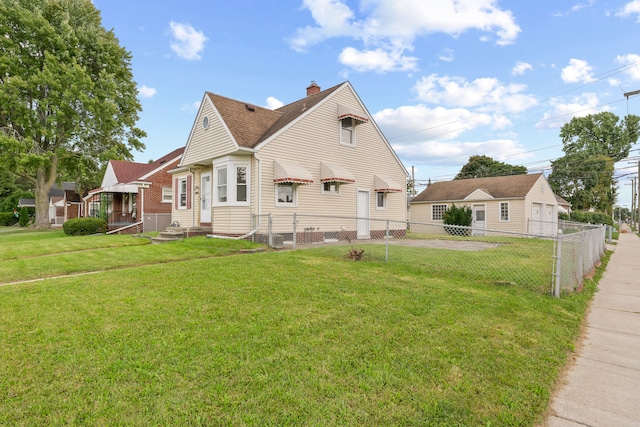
(42, 207)
(45, 178)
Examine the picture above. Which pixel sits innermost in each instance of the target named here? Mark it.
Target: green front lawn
(277, 338)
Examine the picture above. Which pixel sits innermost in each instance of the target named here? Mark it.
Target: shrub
(455, 215)
(591, 217)
(84, 226)
(24, 217)
(7, 219)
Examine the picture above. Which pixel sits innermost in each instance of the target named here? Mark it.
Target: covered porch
(117, 204)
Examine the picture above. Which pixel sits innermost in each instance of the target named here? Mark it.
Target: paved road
(602, 388)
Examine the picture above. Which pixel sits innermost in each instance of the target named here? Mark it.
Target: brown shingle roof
(126, 171)
(250, 124)
(501, 187)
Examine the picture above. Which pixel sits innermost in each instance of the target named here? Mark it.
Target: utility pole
(633, 201)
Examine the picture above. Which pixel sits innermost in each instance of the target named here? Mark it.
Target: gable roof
(127, 172)
(501, 187)
(250, 124)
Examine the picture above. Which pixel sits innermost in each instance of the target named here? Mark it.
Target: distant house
(135, 197)
(518, 203)
(321, 155)
(563, 205)
(64, 203)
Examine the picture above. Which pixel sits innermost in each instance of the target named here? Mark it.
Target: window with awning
(345, 112)
(384, 184)
(333, 172)
(288, 172)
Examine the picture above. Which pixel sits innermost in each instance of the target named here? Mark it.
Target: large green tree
(592, 144)
(584, 180)
(600, 134)
(484, 166)
(68, 102)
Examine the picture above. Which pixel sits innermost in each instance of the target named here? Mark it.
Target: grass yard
(176, 334)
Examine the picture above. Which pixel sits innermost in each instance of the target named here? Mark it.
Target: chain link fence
(544, 263)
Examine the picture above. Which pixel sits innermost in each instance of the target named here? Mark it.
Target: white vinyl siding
(320, 130)
(200, 147)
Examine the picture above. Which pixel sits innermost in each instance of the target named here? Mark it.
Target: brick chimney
(313, 88)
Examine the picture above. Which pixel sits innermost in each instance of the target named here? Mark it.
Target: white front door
(478, 222)
(205, 198)
(362, 212)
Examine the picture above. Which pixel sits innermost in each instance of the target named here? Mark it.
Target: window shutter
(189, 192)
(176, 184)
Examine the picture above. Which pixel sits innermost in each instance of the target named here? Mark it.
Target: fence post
(269, 231)
(556, 291)
(386, 239)
(295, 228)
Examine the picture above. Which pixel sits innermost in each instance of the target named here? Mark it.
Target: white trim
(180, 193)
(384, 201)
(508, 212)
(352, 142)
(294, 195)
(232, 186)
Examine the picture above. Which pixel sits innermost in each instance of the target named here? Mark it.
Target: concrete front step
(177, 233)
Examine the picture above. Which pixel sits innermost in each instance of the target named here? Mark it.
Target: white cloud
(578, 6)
(146, 92)
(392, 26)
(447, 55)
(188, 43)
(484, 94)
(631, 8)
(629, 61)
(378, 60)
(420, 123)
(577, 71)
(274, 103)
(458, 153)
(520, 68)
(562, 112)
(194, 106)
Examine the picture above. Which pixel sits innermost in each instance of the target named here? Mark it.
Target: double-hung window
(222, 185)
(381, 200)
(182, 193)
(167, 196)
(348, 131)
(231, 183)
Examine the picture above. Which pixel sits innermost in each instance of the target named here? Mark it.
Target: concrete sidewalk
(602, 388)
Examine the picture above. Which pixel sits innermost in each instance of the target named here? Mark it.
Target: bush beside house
(84, 226)
(461, 216)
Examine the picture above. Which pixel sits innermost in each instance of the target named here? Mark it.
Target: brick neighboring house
(135, 197)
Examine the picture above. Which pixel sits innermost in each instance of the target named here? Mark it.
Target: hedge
(8, 219)
(84, 226)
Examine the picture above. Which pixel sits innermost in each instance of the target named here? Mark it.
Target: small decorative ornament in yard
(356, 254)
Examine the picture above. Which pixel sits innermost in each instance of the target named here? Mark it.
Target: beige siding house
(518, 203)
(320, 155)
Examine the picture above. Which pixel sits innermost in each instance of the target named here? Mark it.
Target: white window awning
(384, 184)
(288, 172)
(347, 112)
(332, 172)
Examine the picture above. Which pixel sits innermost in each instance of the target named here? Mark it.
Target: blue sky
(443, 79)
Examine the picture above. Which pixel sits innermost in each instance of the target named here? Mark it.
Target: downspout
(259, 190)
